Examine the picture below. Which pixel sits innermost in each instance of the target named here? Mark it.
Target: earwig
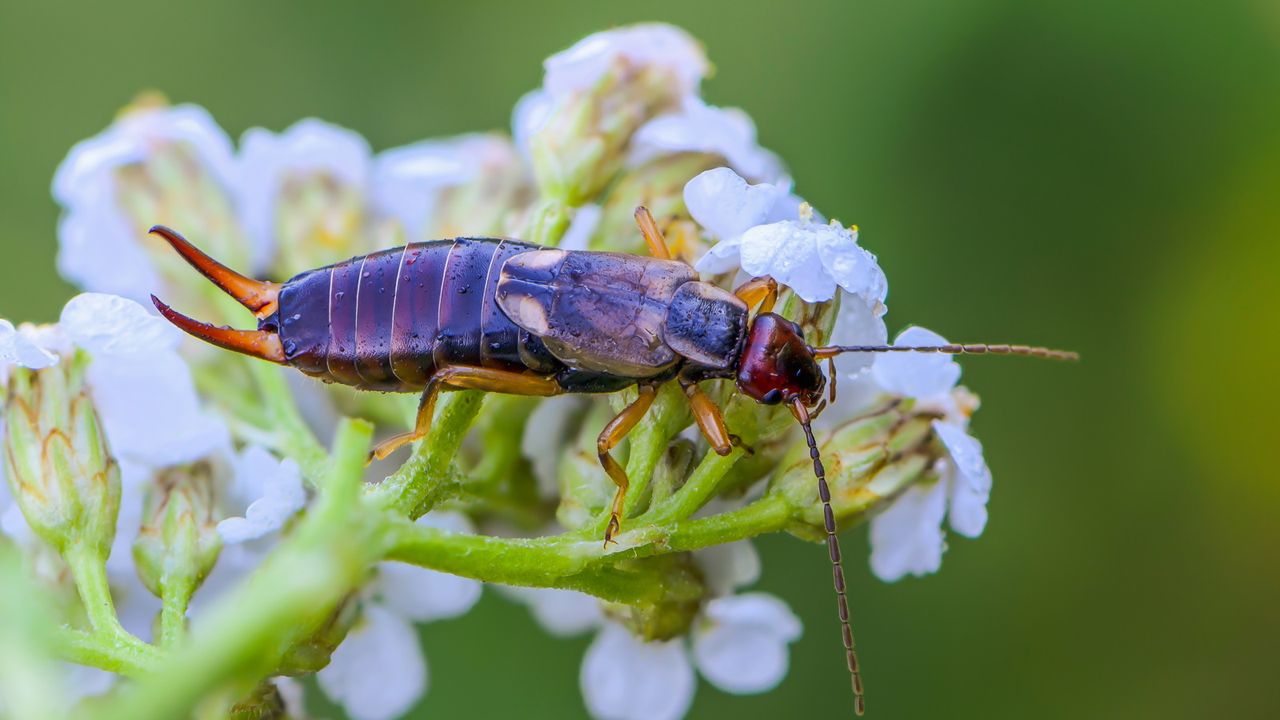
(506, 316)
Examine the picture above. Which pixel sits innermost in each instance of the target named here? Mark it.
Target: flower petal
(740, 644)
(17, 349)
(111, 325)
(150, 410)
(563, 613)
(407, 180)
(701, 128)
(378, 672)
(726, 568)
(624, 678)
(924, 376)
(852, 267)
(907, 537)
(970, 480)
(268, 161)
(725, 204)
(788, 252)
(269, 490)
(646, 44)
(858, 323)
(546, 434)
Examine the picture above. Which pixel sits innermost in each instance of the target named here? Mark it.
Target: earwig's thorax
(706, 324)
(777, 365)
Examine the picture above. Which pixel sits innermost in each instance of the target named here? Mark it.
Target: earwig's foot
(384, 449)
(613, 529)
(736, 441)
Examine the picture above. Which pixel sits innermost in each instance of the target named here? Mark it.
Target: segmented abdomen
(388, 320)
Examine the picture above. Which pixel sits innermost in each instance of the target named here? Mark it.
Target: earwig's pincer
(505, 316)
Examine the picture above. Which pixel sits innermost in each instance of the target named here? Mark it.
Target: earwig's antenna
(257, 343)
(950, 349)
(257, 295)
(833, 549)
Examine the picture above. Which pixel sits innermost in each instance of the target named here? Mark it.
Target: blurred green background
(1102, 176)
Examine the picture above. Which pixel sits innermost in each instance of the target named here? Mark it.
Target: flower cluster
(181, 507)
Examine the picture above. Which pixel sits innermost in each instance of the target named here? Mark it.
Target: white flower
(547, 433)
(739, 643)
(99, 248)
(267, 490)
(907, 538)
(701, 128)
(141, 387)
(624, 678)
(408, 181)
(379, 671)
(653, 45)
(644, 45)
(810, 257)
(269, 162)
(17, 348)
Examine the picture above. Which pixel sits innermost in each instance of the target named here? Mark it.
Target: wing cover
(602, 312)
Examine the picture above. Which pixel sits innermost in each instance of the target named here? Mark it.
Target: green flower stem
(94, 650)
(89, 570)
(414, 488)
(700, 487)
(296, 439)
(174, 599)
(647, 443)
(294, 592)
(540, 562)
(768, 514)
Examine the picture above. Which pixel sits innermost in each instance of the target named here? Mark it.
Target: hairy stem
(96, 650)
(408, 488)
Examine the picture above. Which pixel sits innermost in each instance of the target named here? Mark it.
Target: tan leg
(762, 290)
(652, 235)
(464, 378)
(711, 421)
(610, 436)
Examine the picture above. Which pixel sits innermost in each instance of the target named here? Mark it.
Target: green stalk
(295, 438)
(95, 650)
(294, 591)
(407, 490)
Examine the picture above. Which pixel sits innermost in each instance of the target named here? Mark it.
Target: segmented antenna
(833, 549)
(950, 349)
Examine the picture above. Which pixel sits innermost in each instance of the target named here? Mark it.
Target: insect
(505, 316)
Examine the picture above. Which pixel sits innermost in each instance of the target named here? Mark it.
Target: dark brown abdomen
(388, 320)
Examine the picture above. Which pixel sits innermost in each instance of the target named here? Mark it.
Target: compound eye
(773, 397)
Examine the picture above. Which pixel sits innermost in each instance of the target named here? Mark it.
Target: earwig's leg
(763, 290)
(711, 421)
(652, 235)
(464, 378)
(610, 436)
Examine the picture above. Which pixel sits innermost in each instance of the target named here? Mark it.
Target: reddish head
(777, 365)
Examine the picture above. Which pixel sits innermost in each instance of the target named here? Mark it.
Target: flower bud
(585, 488)
(659, 186)
(596, 94)
(56, 458)
(673, 616)
(155, 164)
(178, 542)
(868, 462)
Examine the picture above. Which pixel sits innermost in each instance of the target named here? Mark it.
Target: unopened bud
(868, 462)
(672, 616)
(597, 94)
(178, 543)
(312, 653)
(56, 458)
